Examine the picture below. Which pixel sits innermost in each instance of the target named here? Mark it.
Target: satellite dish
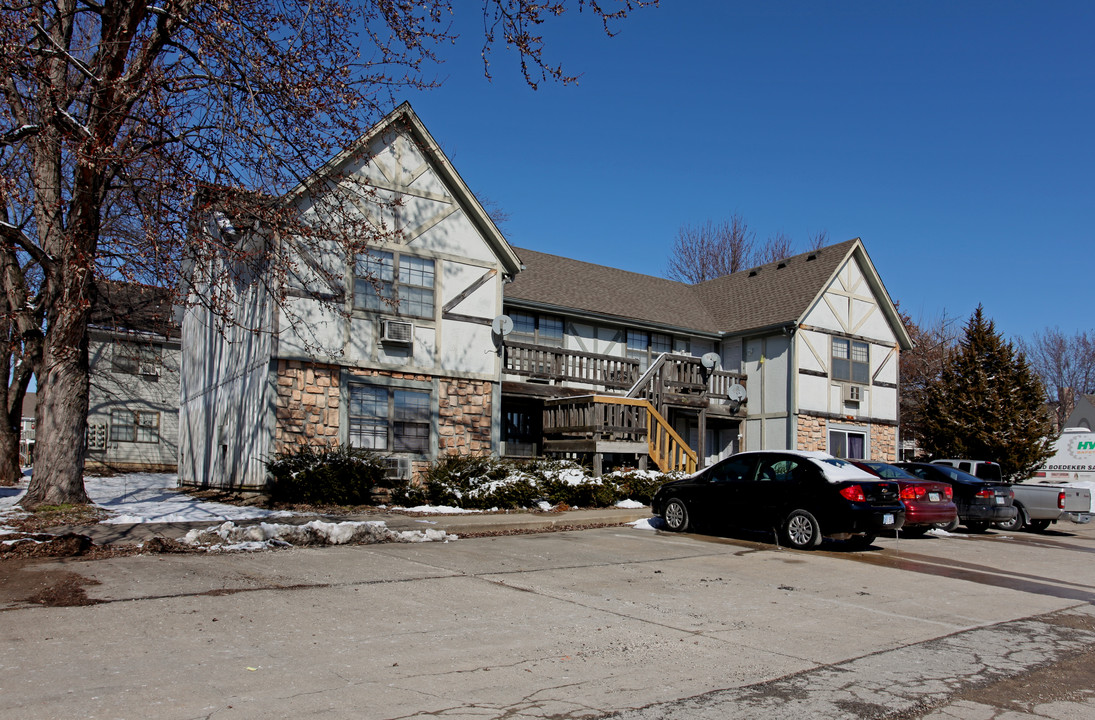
(737, 393)
(502, 325)
(710, 360)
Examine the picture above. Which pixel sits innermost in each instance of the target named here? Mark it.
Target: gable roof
(564, 283)
(126, 306)
(405, 117)
(772, 295)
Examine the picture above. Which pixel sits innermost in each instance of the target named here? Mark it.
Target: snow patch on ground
(630, 504)
(230, 537)
(650, 523)
(437, 510)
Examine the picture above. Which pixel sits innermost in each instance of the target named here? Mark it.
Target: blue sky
(956, 139)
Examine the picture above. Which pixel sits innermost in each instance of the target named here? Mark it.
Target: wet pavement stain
(983, 575)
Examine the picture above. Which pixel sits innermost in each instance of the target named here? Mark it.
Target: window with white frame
(389, 418)
(395, 283)
(646, 346)
(848, 444)
(851, 361)
(141, 426)
(537, 329)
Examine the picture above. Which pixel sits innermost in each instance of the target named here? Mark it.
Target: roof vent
(752, 273)
(811, 256)
(781, 265)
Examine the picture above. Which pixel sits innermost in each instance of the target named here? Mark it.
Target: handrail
(666, 447)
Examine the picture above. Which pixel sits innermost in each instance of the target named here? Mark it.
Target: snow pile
(229, 536)
(651, 523)
(630, 504)
(436, 510)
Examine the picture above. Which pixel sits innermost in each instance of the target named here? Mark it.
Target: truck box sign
(1075, 453)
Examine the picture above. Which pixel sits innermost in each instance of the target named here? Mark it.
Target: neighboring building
(26, 429)
(133, 405)
(488, 349)
(1083, 414)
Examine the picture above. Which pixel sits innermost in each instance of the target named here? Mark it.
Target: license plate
(934, 497)
(999, 500)
(887, 519)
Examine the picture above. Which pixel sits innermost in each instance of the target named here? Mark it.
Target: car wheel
(977, 526)
(915, 531)
(1017, 523)
(801, 531)
(1039, 525)
(948, 526)
(676, 515)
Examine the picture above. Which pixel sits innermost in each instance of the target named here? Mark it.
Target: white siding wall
(122, 391)
(226, 411)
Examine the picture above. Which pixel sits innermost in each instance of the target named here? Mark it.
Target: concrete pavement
(568, 624)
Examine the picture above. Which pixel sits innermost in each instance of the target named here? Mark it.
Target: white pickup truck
(1039, 504)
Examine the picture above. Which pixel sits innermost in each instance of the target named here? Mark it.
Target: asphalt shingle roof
(771, 294)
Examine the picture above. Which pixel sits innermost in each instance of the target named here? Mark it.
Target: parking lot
(569, 624)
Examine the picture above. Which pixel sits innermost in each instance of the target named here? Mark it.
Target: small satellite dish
(502, 325)
(737, 393)
(710, 360)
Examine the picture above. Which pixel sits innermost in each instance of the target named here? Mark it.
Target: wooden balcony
(677, 380)
(551, 363)
(599, 424)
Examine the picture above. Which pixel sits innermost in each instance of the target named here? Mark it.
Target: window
(134, 426)
(395, 283)
(645, 347)
(394, 419)
(851, 361)
(537, 329)
(136, 358)
(848, 444)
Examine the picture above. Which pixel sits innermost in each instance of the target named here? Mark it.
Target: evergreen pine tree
(987, 404)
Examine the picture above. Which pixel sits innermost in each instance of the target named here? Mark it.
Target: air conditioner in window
(396, 331)
(853, 393)
(148, 368)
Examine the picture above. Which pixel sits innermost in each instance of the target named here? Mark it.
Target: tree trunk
(63, 387)
(60, 435)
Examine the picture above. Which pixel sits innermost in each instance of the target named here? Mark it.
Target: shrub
(325, 475)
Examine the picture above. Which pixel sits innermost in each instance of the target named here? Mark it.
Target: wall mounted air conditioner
(853, 393)
(398, 468)
(397, 331)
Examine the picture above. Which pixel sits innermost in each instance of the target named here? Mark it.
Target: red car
(928, 503)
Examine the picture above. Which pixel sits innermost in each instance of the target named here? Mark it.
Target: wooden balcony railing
(601, 418)
(551, 363)
(673, 378)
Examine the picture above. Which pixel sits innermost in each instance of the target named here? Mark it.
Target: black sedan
(802, 495)
(980, 502)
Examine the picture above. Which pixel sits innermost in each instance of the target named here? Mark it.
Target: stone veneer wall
(308, 408)
(813, 435)
(307, 405)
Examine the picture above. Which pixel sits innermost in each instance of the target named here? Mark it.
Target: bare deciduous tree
(1066, 366)
(818, 240)
(123, 121)
(711, 250)
(777, 247)
(922, 366)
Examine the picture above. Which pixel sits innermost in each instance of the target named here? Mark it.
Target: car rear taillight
(986, 493)
(1061, 500)
(854, 493)
(949, 492)
(913, 492)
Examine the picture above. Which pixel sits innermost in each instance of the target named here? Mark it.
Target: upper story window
(646, 346)
(136, 358)
(851, 361)
(538, 329)
(140, 426)
(395, 283)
